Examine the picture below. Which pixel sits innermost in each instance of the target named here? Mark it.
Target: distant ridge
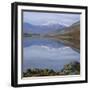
(40, 29)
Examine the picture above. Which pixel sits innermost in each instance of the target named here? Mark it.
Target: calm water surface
(47, 53)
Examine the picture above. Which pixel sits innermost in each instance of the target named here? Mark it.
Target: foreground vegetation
(69, 69)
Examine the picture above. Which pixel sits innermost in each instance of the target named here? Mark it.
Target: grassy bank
(69, 69)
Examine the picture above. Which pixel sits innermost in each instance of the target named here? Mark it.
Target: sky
(43, 18)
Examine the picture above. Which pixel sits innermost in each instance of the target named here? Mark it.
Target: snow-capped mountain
(50, 23)
(42, 28)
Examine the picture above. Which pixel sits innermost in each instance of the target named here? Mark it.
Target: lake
(47, 53)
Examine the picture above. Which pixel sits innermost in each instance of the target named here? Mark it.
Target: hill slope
(70, 35)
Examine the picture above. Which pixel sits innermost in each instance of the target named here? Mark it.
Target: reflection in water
(46, 53)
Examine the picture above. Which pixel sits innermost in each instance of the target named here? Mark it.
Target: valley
(68, 35)
(71, 37)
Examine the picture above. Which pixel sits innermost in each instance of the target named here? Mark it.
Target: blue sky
(39, 18)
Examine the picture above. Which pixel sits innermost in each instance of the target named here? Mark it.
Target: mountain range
(69, 35)
(42, 29)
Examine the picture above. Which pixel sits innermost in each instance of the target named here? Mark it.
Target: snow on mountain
(42, 28)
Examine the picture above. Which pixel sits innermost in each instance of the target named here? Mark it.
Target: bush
(72, 68)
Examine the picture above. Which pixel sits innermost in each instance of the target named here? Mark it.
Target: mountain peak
(43, 28)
